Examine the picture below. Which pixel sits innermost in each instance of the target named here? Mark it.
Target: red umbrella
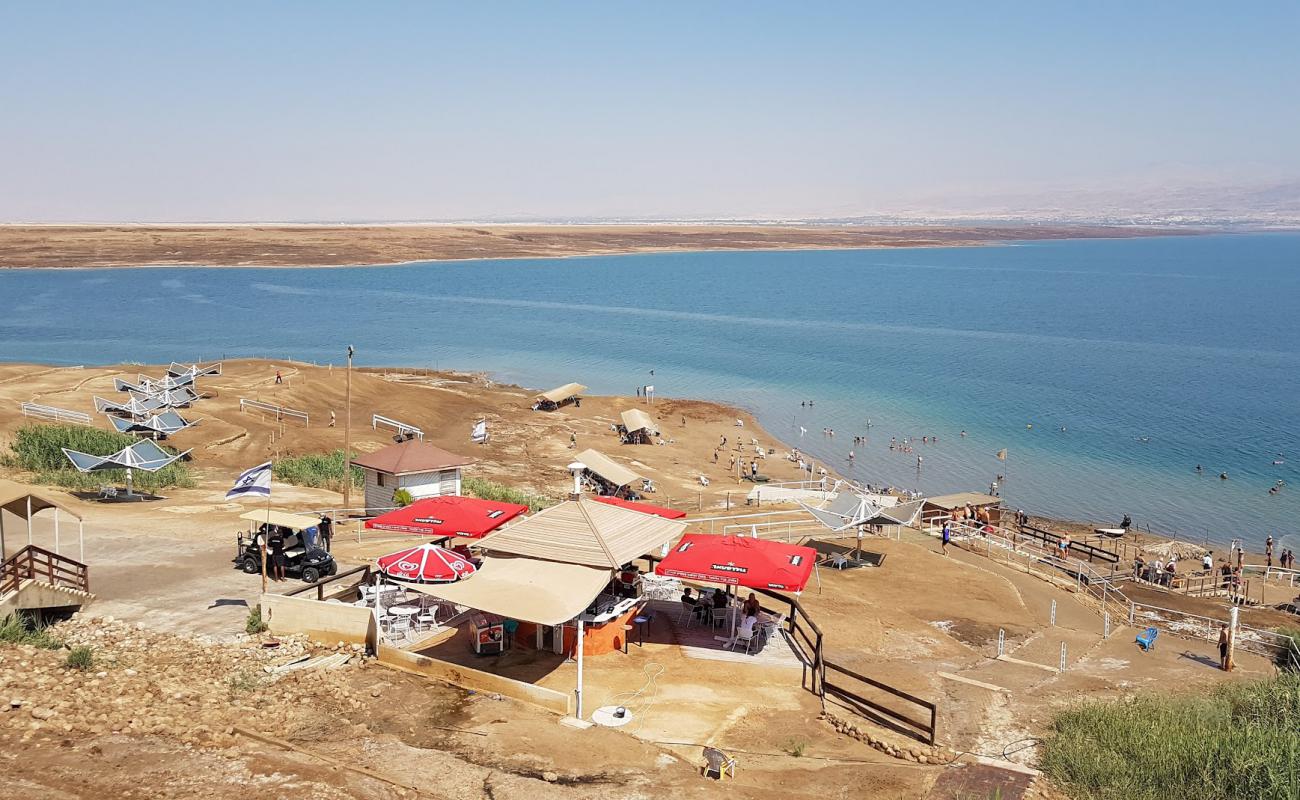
(448, 516)
(426, 564)
(740, 561)
(644, 508)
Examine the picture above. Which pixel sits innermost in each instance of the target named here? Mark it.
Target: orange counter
(597, 638)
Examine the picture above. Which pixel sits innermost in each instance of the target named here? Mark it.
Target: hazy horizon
(410, 112)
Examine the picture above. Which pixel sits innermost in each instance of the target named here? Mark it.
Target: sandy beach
(279, 245)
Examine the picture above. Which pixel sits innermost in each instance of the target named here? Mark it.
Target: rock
(550, 777)
(130, 673)
(42, 713)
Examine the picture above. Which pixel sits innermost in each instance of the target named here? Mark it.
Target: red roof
(412, 455)
(644, 508)
(426, 564)
(448, 516)
(739, 561)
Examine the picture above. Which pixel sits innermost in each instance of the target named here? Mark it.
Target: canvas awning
(585, 532)
(634, 419)
(561, 393)
(607, 468)
(527, 589)
(13, 498)
(948, 502)
(284, 519)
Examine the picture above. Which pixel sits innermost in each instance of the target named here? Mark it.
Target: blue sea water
(1133, 360)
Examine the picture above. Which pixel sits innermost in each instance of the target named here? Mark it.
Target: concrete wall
(327, 623)
(478, 680)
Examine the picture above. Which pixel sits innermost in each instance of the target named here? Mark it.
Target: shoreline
(31, 247)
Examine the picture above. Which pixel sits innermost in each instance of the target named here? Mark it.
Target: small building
(560, 395)
(414, 465)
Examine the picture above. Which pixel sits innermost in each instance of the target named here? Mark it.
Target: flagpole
(266, 533)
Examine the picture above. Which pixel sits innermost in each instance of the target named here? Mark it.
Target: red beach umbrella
(448, 516)
(427, 563)
(740, 561)
(644, 508)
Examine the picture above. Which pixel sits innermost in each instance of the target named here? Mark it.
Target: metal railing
(56, 414)
(1184, 624)
(363, 570)
(280, 412)
(401, 427)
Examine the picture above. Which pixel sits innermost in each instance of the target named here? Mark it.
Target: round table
(403, 611)
(604, 716)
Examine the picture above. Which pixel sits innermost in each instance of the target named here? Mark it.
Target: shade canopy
(644, 508)
(195, 370)
(426, 563)
(14, 499)
(137, 406)
(634, 419)
(297, 522)
(143, 455)
(948, 502)
(528, 589)
(561, 393)
(585, 532)
(607, 468)
(164, 424)
(739, 561)
(448, 516)
(849, 510)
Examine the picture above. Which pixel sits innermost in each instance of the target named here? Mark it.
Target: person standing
(326, 531)
(1268, 552)
(947, 535)
(278, 377)
(1223, 648)
(276, 543)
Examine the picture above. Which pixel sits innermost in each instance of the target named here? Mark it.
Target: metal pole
(81, 542)
(1053, 619)
(1232, 637)
(29, 517)
(579, 648)
(56, 531)
(1063, 656)
(347, 437)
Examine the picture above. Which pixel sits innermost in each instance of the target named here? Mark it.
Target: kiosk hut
(608, 477)
(560, 395)
(638, 427)
(414, 465)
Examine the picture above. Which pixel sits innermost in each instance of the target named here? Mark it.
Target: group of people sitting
(703, 605)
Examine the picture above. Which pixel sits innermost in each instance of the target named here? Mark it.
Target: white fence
(401, 427)
(55, 414)
(280, 412)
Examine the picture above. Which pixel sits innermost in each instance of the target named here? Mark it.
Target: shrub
(317, 470)
(1240, 741)
(38, 449)
(80, 657)
(16, 629)
(255, 624)
(489, 490)
(402, 498)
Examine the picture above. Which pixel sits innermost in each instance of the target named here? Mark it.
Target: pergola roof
(14, 496)
(585, 532)
(950, 501)
(561, 393)
(608, 468)
(634, 419)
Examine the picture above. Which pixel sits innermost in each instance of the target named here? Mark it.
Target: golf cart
(311, 563)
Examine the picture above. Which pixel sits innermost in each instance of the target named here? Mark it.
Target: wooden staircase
(35, 579)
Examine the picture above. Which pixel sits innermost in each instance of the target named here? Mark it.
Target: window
(380, 477)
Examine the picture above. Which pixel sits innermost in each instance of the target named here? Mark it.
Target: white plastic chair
(399, 626)
(748, 640)
(719, 615)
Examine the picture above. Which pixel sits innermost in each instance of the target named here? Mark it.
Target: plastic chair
(399, 626)
(719, 763)
(1147, 639)
(719, 616)
(687, 615)
(748, 640)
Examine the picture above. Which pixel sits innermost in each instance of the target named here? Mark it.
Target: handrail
(55, 413)
(34, 563)
(271, 408)
(319, 585)
(1052, 537)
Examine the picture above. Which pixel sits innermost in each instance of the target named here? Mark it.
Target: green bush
(402, 498)
(317, 470)
(80, 658)
(489, 490)
(1239, 742)
(16, 629)
(38, 449)
(255, 624)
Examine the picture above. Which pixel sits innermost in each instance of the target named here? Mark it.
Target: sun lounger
(1147, 639)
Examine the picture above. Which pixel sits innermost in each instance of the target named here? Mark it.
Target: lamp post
(577, 468)
(347, 437)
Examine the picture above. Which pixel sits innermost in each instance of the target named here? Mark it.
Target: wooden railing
(319, 586)
(37, 563)
(1083, 548)
(900, 721)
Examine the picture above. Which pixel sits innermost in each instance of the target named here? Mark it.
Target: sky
(332, 111)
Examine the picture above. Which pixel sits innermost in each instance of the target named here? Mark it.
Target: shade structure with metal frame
(137, 407)
(160, 426)
(740, 561)
(144, 455)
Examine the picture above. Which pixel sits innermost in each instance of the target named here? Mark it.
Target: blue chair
(1147, 639)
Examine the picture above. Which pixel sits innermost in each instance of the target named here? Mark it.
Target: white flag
(479, 434)
(254, 481)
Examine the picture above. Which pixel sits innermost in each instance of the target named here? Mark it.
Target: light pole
(347, 437)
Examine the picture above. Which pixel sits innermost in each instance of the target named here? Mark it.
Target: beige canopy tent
(284, 519)
(638, 424)
(25, 502)
(585, 532)
(607, 469)
(545, 592)
(557, 396)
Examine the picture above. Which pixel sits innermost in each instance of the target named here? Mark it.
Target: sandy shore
(67, 246)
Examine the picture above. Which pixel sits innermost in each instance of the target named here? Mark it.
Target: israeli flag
(253, 481)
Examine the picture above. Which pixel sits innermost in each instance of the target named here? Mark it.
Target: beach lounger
(1147, 639)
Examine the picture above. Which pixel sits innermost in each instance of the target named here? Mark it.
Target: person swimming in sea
(1199, 469)
(1223, 476)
